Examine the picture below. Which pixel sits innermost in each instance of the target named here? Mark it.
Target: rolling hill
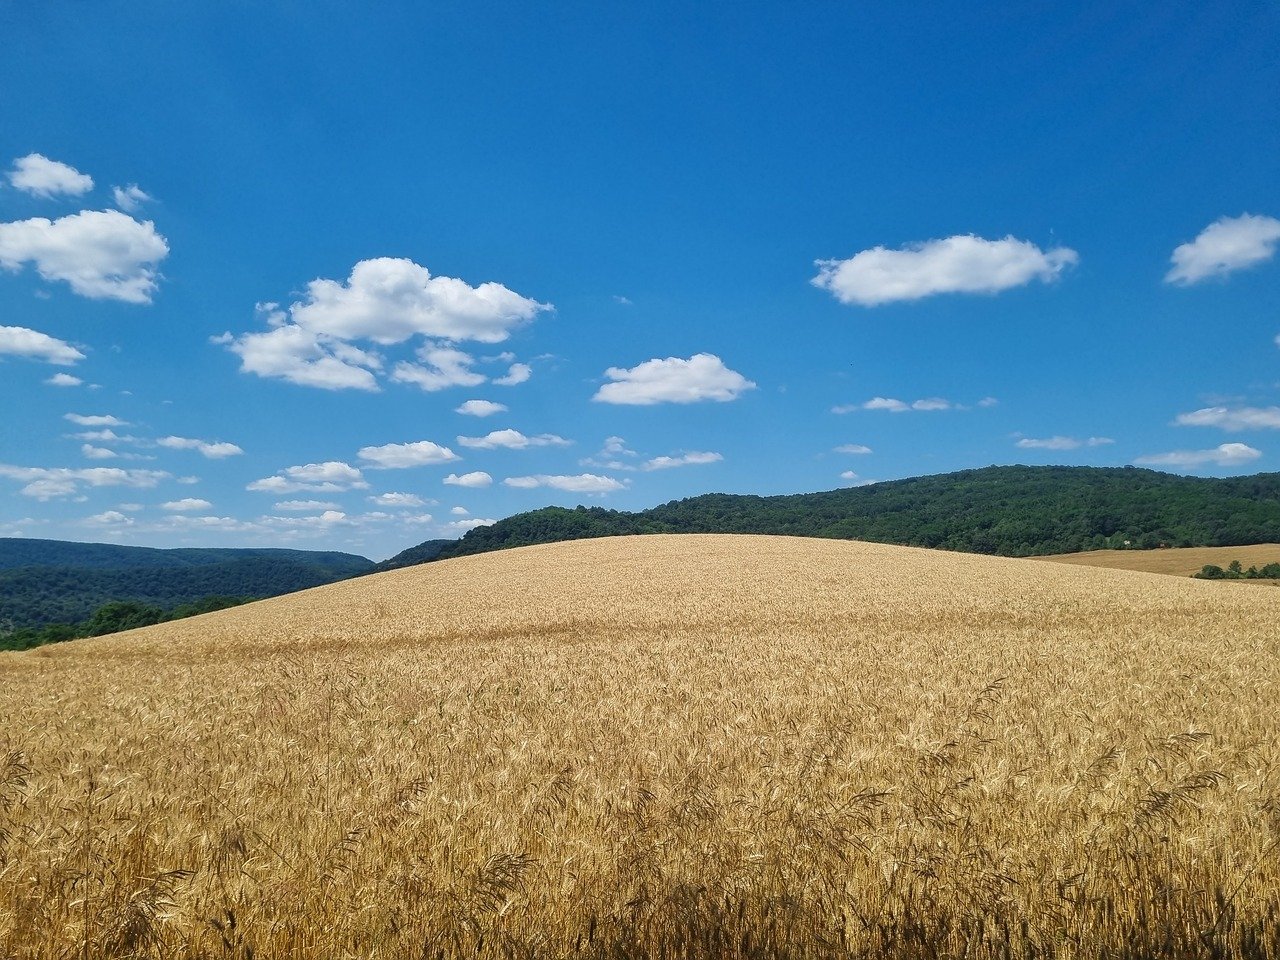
(694, 746)
(1013, 511)
(53, 581)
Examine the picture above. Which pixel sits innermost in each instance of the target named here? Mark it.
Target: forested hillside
(50, 581)
(1011, 511)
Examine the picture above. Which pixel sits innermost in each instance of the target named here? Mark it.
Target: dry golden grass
(1178, 561)
(694, 746)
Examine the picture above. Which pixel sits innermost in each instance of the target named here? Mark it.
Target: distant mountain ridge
(54, 581)
(1017, 511)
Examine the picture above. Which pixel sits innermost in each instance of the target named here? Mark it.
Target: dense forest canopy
(1014, 511)
(49, 581)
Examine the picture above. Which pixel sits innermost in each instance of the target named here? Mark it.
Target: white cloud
(46, 483)
(305, 506)
(332, 476)
(130, 198)
(389, 300)
(988, 402)
(477, 478)
(64, 380)
(462, 526)
(852, 448)
(960, 264)
(186, 505)
(1048, 443)
(582, 483)
(90, 452)
(211, 450)
(898, 406)
(460, 511)
(848, 475)
(180, 521)
(395, 456)
(96, 421)
(38, 175)
(673, 380)
(1223, 455)
(1226, 245)
(386, 301)
(327, 519)
(684, 460)
(24, 342)
(512, 440)
(102, 254)
(608, 457)
(517, 373)
(442, 367)
(110, 518)
(480, 408)
(1061, 443)
(397, 500)
(299, 356)
(1227, 418)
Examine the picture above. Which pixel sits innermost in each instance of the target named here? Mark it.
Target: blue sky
(256, 259)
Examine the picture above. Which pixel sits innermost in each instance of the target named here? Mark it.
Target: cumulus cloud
(1060, 443)
(512, 440)
(582, 483)
(47, 483)
(305, 506)
(673, 380)
(389, 300)
(395, 456)
(441, 367)
(480, 408)
(38, 175)
(684, 460)
(397, 500)
(848, 475)
(90, 452)
(893, 405)
(186, 505)
(610, 455)
(960, 264)
(385, 301)
(852, 448)
(1229, 418)
(1223, 247)
(64, 380)
(300, 356)
(102, 254)
(516, 374)
(477, 478)
(1223, 455)
(212, 450)
(462, 526)
(110, 518)
(96, 421)
(459, 511)
(24, 342)
(131, 198)
(332, 476)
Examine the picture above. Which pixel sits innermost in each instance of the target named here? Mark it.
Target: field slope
(1178, 561)
(696, 746)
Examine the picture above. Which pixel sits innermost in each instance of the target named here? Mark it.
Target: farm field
(1177, 561)
(693, 746)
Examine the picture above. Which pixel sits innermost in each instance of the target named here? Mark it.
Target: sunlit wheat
(701, 746)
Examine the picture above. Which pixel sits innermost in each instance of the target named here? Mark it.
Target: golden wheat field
(658, 746)
(1178, 561)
